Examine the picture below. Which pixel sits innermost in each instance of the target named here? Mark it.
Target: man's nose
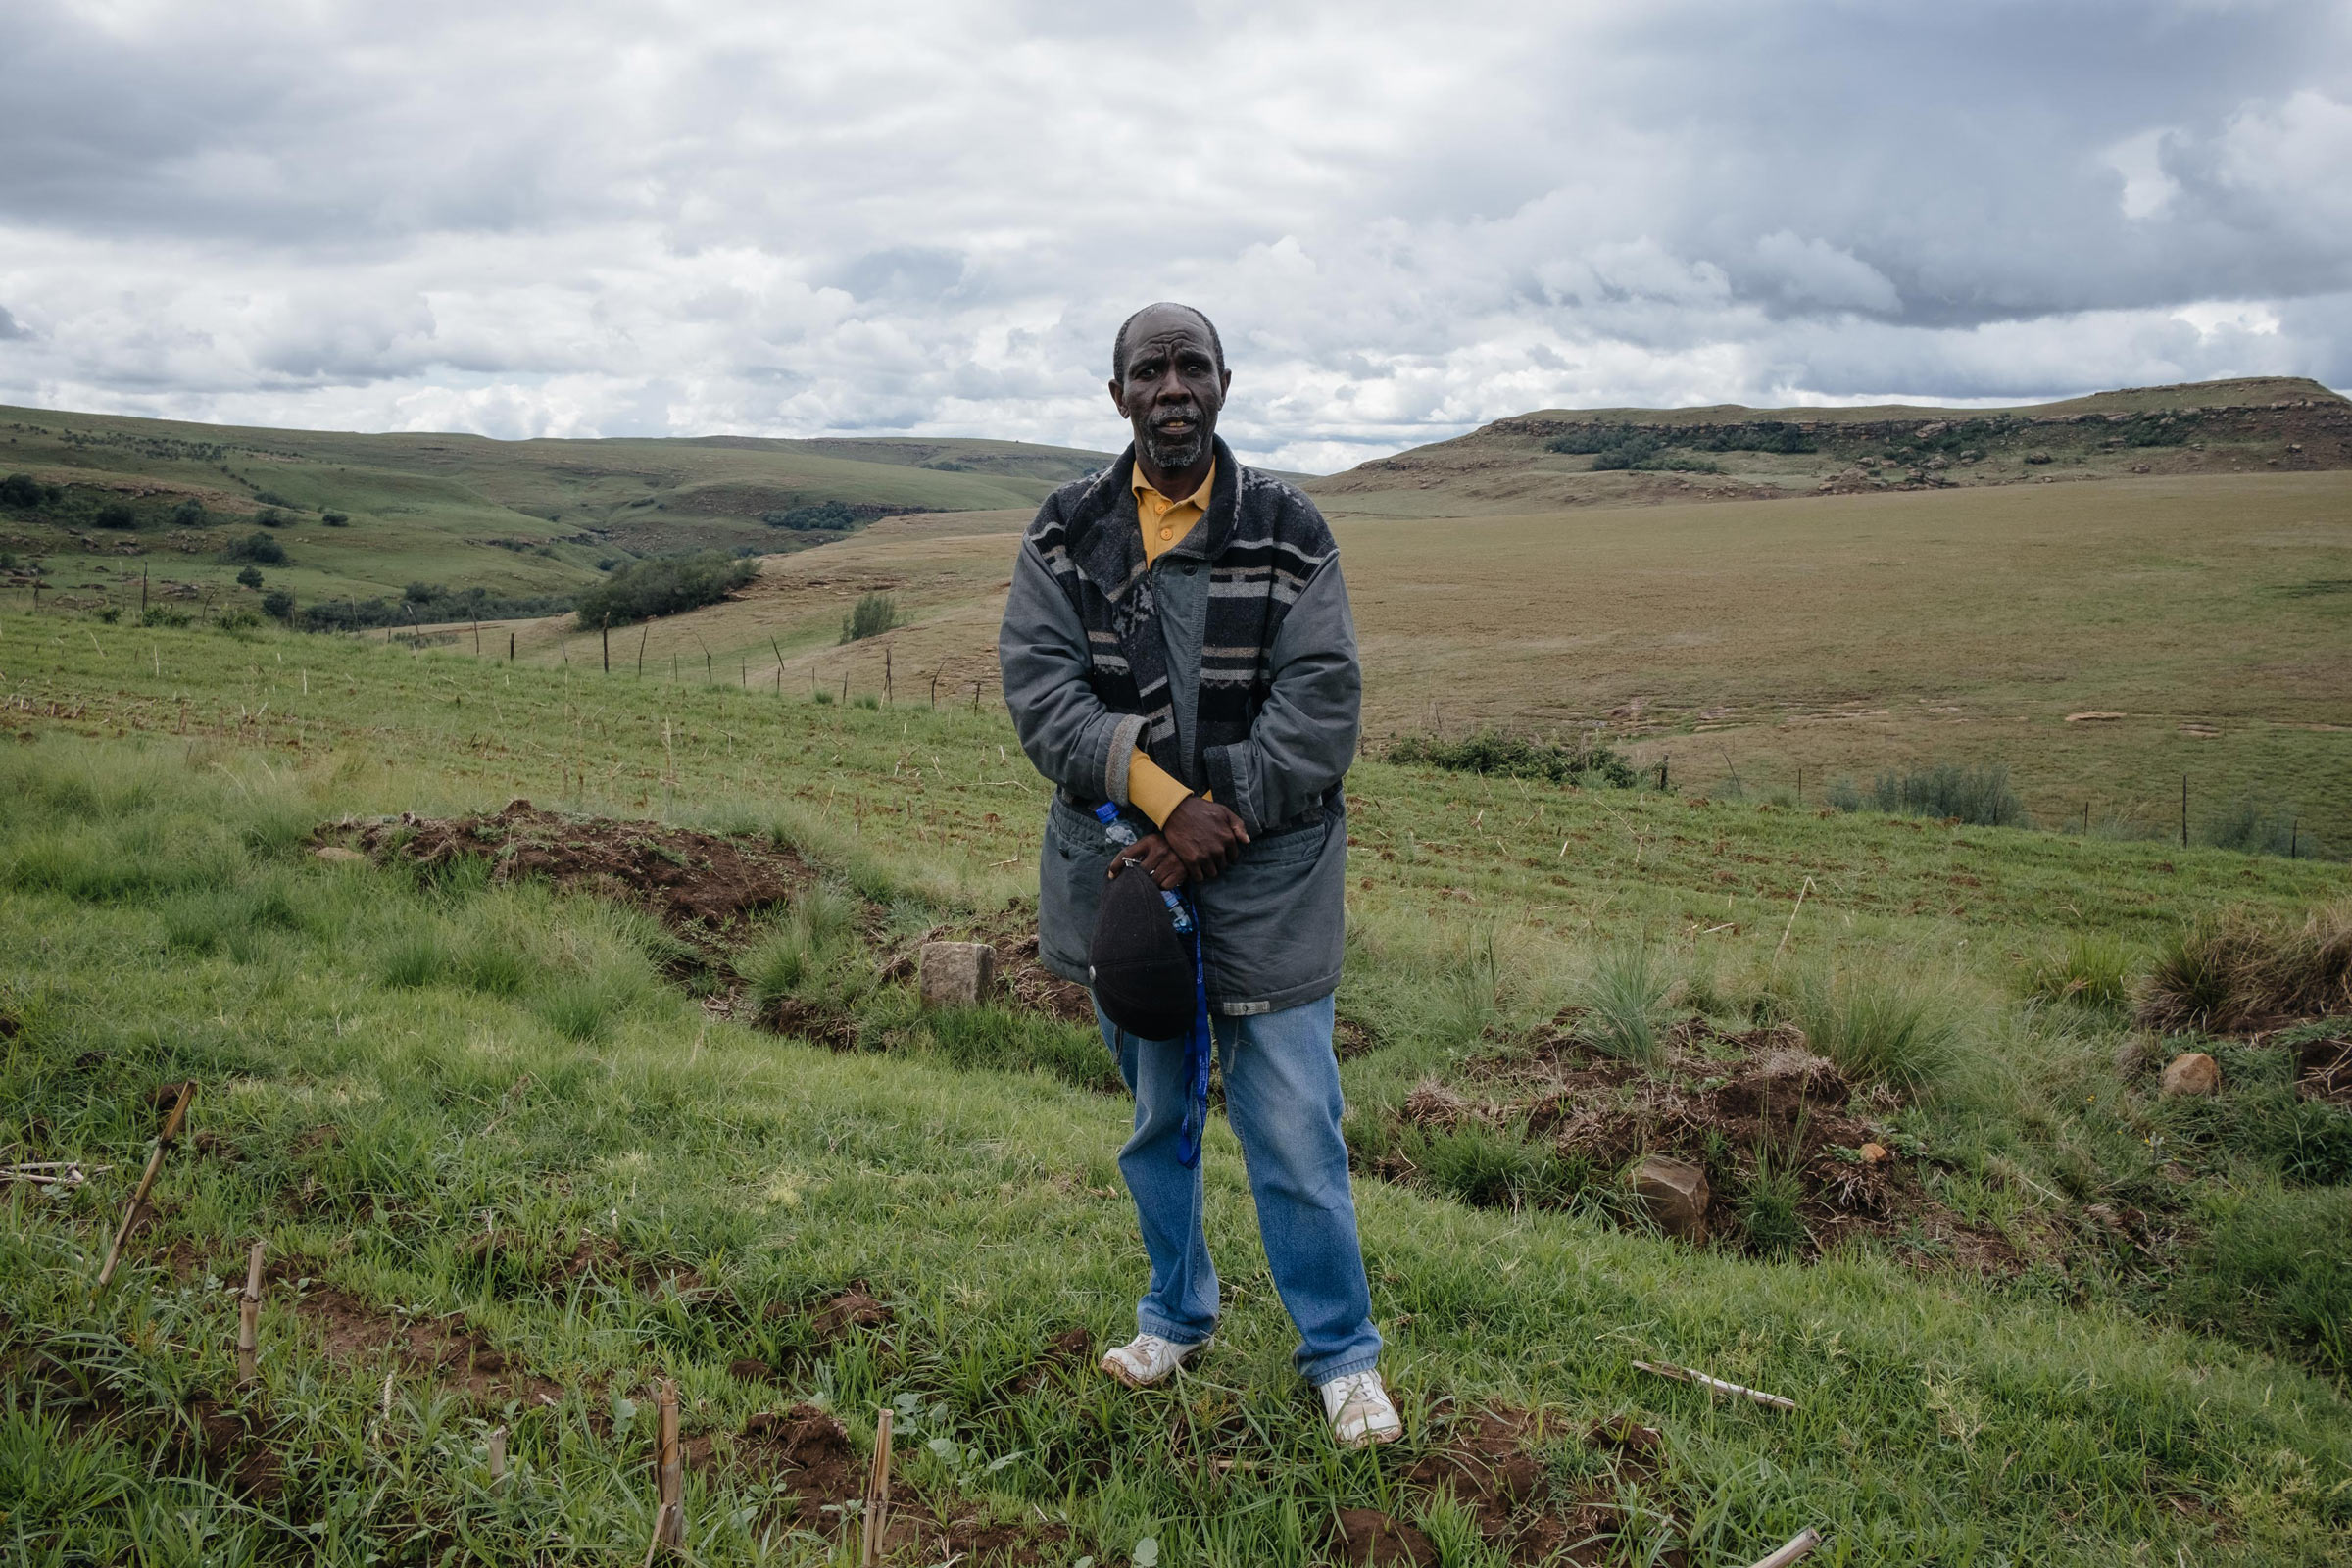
(1171, 388)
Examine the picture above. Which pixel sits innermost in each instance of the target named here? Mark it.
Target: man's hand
(1205, 837)
(1159, 862)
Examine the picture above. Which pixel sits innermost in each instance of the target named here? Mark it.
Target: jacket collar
(1106, 537)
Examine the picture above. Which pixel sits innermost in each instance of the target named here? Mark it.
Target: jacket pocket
(1072, 867)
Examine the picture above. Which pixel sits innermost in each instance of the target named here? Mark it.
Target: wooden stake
(885, 674)
(878, 1493)
(138, 1198)
(1683, 1374)
(670, 1530)
(1792, 913)
(641, 637)
(1803, 1541)
(497, 1454)
(249, 1321)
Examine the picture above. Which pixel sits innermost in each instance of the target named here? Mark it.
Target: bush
(189, 513)
(21, 490)
(1844, 795)
(2252, 827)
(257, 547)
(871, 616)
(1979, 796)
(336, 519)
(278, 605)
(662, 586)
(250, 577)
(116, 515)
(1511, 756)
(825, 515)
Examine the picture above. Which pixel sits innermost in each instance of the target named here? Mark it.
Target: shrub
(189, 513)
(665, 585)
(238, 621)
(271, 517)
(1512, 756)
(1844, 795)
(2235, 972)
(871, 616)
(1623, 1000)
(336, 519)
(2094, 969)
(826, 515)
(116, 515)
(21, 490)
(278, 605)
(250, 577)
(1978, 796)
(1878, 1028)
(257, 547)
(2253, 827)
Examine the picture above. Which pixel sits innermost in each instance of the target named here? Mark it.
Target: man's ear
(1224, 384)
(1119, 399)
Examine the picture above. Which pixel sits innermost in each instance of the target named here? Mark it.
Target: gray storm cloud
(791, 219)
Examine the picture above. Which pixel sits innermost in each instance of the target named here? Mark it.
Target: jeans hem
(1347, 1366)
(1151, 1323)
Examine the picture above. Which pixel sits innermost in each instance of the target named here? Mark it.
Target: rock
(958, 974)
(337, 855)
(1874, 1153)
(2192, 1072)
(1675, 1193)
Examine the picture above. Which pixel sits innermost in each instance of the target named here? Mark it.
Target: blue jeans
(1281, 1098)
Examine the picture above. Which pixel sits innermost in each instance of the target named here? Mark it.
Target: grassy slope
(429, 508)
(163, 918)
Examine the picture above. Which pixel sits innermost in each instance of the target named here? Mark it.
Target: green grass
(497, 1059)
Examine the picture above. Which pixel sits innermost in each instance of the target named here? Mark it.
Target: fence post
(607, 633)
(2185, 810)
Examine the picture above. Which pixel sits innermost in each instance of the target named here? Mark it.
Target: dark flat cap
(1141, 969)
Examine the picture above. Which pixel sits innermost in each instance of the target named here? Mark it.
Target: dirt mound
(1742, 1106)
(695, 882)
(226, 1444)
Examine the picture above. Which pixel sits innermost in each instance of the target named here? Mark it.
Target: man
(1177, 644)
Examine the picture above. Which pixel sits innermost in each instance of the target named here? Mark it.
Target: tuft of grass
(1624, 1001)
(1880, 1026)
(2237, 971)
(2274, 1268)
(2089, 969)
(1768, 1209)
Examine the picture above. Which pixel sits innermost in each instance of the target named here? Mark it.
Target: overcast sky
(596, 219)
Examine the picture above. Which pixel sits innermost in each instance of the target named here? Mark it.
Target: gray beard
(1177, 454)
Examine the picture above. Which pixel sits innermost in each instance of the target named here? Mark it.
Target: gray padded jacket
(1273, 924)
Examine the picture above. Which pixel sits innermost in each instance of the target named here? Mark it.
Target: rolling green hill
(1562, 457)
(517, 518)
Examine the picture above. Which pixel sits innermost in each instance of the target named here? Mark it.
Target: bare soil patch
(444, 1347)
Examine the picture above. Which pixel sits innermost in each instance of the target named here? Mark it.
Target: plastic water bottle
(1120, 833)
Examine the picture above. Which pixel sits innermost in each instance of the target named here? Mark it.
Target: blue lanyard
(1199, 1048)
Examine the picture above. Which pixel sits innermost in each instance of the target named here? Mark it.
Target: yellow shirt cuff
(1151, 789)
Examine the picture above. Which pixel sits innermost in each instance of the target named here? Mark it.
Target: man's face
(1172, 389)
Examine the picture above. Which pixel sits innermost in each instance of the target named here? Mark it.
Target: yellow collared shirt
(1150, 787)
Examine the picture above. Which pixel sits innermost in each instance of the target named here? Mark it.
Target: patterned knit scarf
(1263, 541)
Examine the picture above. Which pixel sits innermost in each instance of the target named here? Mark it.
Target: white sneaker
(1147, 1358)
(1359, 1410)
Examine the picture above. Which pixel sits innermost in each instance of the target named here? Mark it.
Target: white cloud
(929, 216)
